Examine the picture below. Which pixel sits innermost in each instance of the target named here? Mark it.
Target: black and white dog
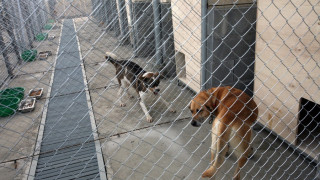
(130, 74)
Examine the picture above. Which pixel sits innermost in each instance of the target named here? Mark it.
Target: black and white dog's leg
(120, 93)
(167, 104)
(130, 96)
(143, 106)
(122, 90)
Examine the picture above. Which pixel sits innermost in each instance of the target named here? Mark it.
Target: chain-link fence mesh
(70, 111)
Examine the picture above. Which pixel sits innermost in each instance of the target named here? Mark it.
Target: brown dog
(235, 113)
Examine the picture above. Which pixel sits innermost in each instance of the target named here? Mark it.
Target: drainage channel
(68, 120)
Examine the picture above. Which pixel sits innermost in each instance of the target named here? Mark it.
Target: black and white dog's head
(151, 81)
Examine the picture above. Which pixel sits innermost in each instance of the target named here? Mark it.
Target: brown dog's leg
(228, 153)
(221, 145)
(241, 144)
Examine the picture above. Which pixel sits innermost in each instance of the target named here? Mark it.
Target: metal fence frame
(151, 29)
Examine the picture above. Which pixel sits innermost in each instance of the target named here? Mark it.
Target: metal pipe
(7, 23)
(5, 54)
(27, 24)
(109, 17)
(123, 23)
(34, 21)
(115, 18)
(318, 167)
(121, 16)
(104, 13)
(204, 7)
(21, 26)
(157, 31)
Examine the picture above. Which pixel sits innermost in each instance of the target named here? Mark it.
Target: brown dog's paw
(122, 105)
(237, 177)
(209, 172)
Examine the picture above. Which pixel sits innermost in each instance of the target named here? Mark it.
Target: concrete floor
(168, 148)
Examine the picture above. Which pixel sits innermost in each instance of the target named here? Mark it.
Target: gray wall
(231, 47)
(168, 50)
(142, 29)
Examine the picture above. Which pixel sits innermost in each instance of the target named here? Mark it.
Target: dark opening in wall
(309, 123)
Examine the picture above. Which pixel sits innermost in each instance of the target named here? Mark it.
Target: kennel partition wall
(230, 41)
(287, 66)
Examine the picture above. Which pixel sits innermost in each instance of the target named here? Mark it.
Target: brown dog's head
(201, 107)
(151, 81)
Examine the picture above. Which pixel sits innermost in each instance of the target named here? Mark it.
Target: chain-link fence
(69, 110)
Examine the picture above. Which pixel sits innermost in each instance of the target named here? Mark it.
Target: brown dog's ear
(213, 101)
(210, 104)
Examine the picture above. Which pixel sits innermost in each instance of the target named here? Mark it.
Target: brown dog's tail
(111, 57)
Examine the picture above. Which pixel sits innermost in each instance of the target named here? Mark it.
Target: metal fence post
(123, 21)
(204, 7)
(318, 169)
(5, 55)
(7, 22)
(202, 44)
(157, 32)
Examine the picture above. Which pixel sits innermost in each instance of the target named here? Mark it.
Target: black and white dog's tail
(111, 57)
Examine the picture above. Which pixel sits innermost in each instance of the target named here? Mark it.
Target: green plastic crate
(51, 21)
(41, 36)
(47, 26)
(13, 92)
(8, 106)
(29, 55)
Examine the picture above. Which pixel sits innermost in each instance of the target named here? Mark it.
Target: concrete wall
(187, 40)
(287, 63)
